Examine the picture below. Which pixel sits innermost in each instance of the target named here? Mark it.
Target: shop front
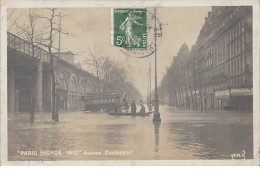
(221, 99)
(241, 99)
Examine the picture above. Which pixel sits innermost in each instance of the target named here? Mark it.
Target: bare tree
(32, 20)
(118, 78)
(53, 27)
(9, 17)
(115, 76)
(96, 62)
(107, 68)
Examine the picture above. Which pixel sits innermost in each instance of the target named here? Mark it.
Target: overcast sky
(92, 27)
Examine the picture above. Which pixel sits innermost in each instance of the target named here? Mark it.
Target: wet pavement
(182, 135)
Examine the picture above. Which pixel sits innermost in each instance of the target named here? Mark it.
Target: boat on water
(131, 114)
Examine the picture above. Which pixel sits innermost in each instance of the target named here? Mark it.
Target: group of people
(133, 106)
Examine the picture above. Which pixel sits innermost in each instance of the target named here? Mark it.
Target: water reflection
(156, 139)
(181, 135)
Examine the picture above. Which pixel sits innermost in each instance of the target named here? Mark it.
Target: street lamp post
(156, 117)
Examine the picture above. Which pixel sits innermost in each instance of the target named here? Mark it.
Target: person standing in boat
(133, 107)
(142, 110)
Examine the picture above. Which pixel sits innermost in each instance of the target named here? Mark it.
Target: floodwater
(182, 135)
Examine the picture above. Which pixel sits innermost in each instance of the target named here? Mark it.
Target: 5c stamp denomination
(130, 28)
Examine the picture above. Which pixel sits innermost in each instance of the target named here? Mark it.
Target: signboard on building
(242, 92)
(222, 94)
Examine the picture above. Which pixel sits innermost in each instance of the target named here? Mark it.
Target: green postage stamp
(129, 28)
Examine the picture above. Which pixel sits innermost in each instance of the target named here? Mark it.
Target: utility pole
(59, 33)
(156, 117)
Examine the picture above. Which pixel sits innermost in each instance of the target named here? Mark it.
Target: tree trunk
(187, 97)
(191, 95)
(33, 91)
(98, 80)
(192, 103)
(180, 96)
(175, 96)
(201, 101)
(195, 88)
(33, 98)
(53, 91)
(53, 94)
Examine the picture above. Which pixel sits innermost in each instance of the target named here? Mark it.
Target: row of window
(218, 49)
(237, 81)
(219, 57)
(236, 66)
(215, 71)
(234, 82)
(209, 89)
(102, 101)
(216, 58)
(76, 102)
(236, 47)
(220, 86)
(235, 31)
(230, 35)
(233, 49)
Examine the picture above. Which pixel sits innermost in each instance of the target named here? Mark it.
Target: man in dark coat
(126, 104)
(133, 107)
(142, 110)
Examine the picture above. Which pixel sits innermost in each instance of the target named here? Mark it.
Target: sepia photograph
(130, 82)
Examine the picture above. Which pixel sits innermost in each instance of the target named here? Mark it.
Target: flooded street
(96, 136)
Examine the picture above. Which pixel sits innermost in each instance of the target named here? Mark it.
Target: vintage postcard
(130, 82)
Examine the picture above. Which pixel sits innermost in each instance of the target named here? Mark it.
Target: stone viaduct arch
(74, 82)
(62, 91)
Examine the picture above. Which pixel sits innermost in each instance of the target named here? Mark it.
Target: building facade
(218, 71)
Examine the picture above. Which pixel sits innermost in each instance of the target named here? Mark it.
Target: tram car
(109, 102)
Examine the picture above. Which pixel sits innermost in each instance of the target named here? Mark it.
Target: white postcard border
(76, 3)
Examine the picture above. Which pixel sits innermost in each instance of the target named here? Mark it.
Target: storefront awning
(242, 92)
(222, 94)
